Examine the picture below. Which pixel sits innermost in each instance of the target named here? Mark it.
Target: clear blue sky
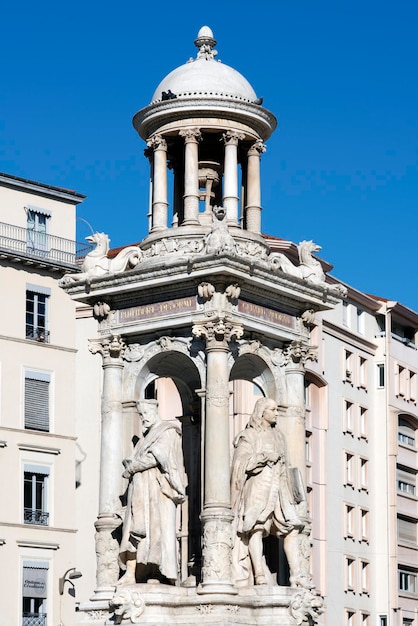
(341, 76)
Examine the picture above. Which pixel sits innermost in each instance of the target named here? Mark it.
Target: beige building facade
(38, 455)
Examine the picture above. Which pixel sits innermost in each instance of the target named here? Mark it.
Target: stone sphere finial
(205, 42)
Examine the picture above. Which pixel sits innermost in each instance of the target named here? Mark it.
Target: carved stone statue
(156, 485)
(219, 240)
(264, 499)
(96, 263)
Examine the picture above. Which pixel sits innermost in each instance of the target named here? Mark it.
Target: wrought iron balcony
(34, 619)
(37, 334)
(41, 246)
(35, 516)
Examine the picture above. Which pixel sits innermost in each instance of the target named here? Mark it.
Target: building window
(348, 366)
(364, 524)
(37, 313)
(407, 530)
(364, 474)
(308, 439)
(35, 495)
(406, 621)
(383, 620)
(363, 418)
(380, 375)
(406, 481)
(37, 228)
(412, 386)
(365, 619)
(34, 593)
(401, 381)
(348, 417)
(349, 520)
(349, 468)
(406, 432)
(346, 314)
(362, 372)
(361, 322)
(350, 617)
(350, 573)
(37, 400)
(364, 571)
(407, 580)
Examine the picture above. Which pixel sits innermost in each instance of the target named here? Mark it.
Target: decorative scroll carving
(157, 142)
(299, 352)
(257, 148)
(218, 331)
(232, 137)
(166, 343)
(217, 544)
(101, 310)
(205, 291)
(233, 291)
(97, 615)
(97, 263)
(107, 551)
(134, 352)
(305, 608)
(127, 604)
(110, 348)
(308, 317)
(191, 135)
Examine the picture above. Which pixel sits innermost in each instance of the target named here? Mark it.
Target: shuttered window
(37, 401)
(407, 530)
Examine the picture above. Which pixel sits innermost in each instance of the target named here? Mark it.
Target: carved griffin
(97, 263)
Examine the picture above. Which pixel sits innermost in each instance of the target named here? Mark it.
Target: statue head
(148, 412)
(265, 411)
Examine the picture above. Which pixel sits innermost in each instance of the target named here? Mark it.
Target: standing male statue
(263, 499)
(156, 476)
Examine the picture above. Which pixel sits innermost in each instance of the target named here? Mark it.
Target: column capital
(257, 148)
(191, 135)
(157, 142)
(232, 137)
(298, 352)
(111, 348)
(218, 332)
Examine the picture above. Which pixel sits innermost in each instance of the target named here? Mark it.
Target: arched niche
(253, 368)
(179, 373)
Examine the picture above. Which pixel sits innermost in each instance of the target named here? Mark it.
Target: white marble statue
(263, 498)
(96, 263)
(156, 476)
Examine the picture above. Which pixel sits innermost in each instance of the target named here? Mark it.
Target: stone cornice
(346, 335)
(149, 119)
(26, 185)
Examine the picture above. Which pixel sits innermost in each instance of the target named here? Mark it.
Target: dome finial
(205, 42)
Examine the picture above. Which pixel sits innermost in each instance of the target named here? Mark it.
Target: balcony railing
(41, 246)
(37, 334)
(34, 619)
(35, 516)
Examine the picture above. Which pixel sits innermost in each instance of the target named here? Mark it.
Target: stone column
(192, 137)
(217, 515)
(159, 191)
(148, 153)
(111, 454)
(230, 187)
(253, 188)
(295, 356)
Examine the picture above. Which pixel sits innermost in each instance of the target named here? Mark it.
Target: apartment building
(38, 452)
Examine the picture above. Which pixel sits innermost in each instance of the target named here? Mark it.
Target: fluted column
(217, 515)
(253, 188)
(159, 191)
(230, 187)
(192, 137)
(111, 454)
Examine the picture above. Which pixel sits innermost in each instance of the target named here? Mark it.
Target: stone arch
(255, 369)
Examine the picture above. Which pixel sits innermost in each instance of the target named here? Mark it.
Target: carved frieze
(217, 546)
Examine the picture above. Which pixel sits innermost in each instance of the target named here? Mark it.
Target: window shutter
(36, 403)
(407, 530)
(35, 580)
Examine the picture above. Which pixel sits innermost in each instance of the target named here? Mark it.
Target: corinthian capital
(257, 148)
(111, 348)
(218, 333)
(298, 352)
(191, 135)
(157, 142)
(232, 138)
